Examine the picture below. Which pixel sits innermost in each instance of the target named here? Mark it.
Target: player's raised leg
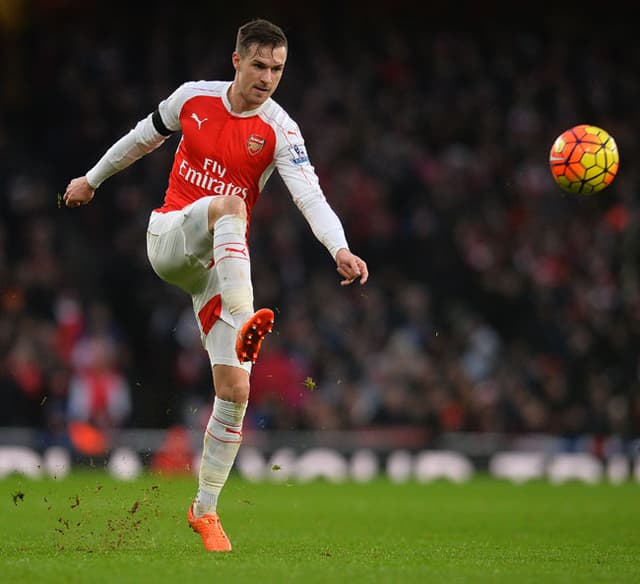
(251, 334)
(227, 218)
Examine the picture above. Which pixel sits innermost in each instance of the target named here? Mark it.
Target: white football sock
(231, 258)
(222, 440)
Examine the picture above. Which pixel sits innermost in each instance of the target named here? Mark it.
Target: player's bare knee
(231, 383)
(235, 206)
(221, 206)
(237, 392)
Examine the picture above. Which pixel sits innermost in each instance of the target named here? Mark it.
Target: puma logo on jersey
(198, 120)
(242, 250)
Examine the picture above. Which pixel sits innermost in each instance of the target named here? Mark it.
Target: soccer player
(233, 136)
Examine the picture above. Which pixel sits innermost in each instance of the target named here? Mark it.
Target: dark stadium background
(496, 304)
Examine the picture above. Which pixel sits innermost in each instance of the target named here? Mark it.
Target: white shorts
(180, 250)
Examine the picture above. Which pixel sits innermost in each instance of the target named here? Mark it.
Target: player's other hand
(350, 267)
(78, 192)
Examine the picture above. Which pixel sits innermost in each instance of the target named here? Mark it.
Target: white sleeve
(145, 137)
(302, 181)
(139, 141)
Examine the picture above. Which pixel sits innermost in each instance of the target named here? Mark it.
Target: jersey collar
(227, 104)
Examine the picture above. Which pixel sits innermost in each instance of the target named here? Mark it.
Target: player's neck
(238, 104)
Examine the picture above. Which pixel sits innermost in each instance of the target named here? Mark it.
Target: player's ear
(235, 60)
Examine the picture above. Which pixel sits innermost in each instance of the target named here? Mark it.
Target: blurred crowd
(496, 303)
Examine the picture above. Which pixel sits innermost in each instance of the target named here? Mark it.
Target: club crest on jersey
(298, 154)
(255, 144)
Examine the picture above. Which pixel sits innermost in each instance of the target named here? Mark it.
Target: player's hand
(78, 192)
(350, 267)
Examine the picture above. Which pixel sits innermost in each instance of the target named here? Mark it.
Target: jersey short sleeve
(170, 108)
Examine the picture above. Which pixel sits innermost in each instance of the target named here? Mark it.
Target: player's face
(258, 74)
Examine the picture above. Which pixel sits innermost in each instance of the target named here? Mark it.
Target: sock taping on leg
(231, 257)
(222, 440)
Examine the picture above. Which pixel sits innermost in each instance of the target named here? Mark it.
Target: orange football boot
(252, 333)
(210, 529)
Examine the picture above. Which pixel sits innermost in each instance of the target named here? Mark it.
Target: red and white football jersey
(223, 153)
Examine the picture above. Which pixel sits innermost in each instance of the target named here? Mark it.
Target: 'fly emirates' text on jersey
(222, 153)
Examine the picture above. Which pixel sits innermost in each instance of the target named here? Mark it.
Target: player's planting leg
(222, 440)
(210, 529)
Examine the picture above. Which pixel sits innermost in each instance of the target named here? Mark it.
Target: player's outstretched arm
(140, 141)
(350, 267)
(78, 192)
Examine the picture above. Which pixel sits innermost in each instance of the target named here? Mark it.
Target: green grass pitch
(90, 528)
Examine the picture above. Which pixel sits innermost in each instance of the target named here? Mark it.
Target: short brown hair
(260, 32)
